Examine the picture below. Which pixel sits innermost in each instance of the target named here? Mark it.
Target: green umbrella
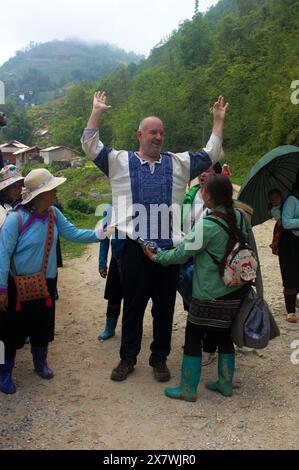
(275, 170)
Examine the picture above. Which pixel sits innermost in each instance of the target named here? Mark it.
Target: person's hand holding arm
(195, 242)
(149, 253)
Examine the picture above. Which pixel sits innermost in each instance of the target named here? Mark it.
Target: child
(113, 290)
(275, 198)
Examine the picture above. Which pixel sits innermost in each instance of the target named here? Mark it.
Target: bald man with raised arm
(148, 188)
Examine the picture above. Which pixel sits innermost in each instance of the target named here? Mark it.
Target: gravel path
(83, 409)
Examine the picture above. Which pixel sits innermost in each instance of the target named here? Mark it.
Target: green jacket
(188, 200)
(206, 235)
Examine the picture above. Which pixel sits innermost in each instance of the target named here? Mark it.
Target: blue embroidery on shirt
(152, 189)
(199, 162)
(102, 160)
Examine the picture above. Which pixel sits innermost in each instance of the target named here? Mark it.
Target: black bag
(254, 325)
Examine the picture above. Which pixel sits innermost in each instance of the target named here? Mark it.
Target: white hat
(8, 176)
(39, 181)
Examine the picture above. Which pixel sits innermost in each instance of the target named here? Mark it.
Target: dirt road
(83, 409)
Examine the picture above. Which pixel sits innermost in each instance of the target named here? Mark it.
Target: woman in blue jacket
(28, 233)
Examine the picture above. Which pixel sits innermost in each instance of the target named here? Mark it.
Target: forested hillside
(247, 50)
(45, 71)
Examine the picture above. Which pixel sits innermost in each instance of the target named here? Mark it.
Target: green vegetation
(20, 125)
(43, 72)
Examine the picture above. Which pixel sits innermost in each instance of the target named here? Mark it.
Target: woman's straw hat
(39, 181)
(8, 176)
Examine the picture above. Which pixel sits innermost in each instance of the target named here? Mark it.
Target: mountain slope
(45, 71)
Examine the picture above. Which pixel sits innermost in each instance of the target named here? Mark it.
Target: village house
(43, 134)
(8, 151)
(27, 155)
(58, 154)
(16, 153)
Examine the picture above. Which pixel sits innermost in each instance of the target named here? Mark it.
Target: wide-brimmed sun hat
(8, 176)
(39, 181)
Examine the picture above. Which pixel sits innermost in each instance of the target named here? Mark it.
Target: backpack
(257, 325)
(241, 264)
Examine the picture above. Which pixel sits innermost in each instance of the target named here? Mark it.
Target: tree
(19, 127)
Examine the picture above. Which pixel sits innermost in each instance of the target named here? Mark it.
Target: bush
(27, 167)
(78, 204)
(61, 165)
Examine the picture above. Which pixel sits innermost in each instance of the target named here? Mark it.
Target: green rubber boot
(187, 390)
(226, 369)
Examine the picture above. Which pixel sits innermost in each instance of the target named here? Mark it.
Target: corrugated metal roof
(14, 143)
(25, 149)
(50, 149)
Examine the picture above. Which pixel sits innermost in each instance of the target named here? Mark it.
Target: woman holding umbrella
(278, 169)
(289, 251)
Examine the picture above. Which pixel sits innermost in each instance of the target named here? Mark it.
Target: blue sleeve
(199, 162)
(289, 220)
(104, 245)
(103, 254)
(8, 241)
(107, 215)
(102, 160)
(72, 233)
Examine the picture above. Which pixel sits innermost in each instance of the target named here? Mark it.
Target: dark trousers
(114, 289)
(35, 320)
(196, 336)
(144, 280)
(289, 268)
(212, 339)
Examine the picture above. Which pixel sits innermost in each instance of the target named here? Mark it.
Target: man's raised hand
(99, 106)
(219, 109)
(99, 102)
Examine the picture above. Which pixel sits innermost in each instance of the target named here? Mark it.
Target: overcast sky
(133, 25)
